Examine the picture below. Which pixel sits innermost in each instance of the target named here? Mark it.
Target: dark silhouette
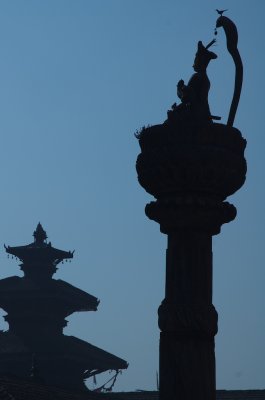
(37, 305)
(190, 165)
(232, 39)
(220, 12)
(194, 95)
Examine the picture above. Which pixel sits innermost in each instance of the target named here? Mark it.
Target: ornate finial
(220, 12)
(39, 234)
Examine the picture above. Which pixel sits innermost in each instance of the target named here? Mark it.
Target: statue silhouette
(194, 95)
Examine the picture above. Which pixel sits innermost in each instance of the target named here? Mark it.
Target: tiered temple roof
(36, 306)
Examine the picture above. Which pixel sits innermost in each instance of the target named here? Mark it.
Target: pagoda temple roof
(16, 287)
(91, 356)
(34, 251)
(98, 358)
(39, 250)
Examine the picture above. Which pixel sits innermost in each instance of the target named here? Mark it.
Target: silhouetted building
(36, 304)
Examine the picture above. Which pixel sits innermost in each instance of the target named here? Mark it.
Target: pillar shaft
(188, 320)
(189, 268)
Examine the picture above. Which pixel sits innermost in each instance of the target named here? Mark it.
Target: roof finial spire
(39, 234)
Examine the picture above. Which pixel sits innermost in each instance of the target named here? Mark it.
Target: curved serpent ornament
(231, 44)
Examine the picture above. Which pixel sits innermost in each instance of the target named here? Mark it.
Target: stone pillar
(190, 170)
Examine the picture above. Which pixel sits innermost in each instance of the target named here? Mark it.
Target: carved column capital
(190, 170)
(190, 212)
(196, 321)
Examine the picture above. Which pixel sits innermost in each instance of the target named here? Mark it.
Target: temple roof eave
(15, 288)
(80, 351)
(92, 355)
(38, 250)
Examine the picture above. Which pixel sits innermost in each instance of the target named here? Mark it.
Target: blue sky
(77, 79)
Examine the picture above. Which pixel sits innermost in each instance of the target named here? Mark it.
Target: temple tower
(36, 306)
(191, 165)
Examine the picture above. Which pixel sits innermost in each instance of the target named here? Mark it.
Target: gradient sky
(77, 79)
